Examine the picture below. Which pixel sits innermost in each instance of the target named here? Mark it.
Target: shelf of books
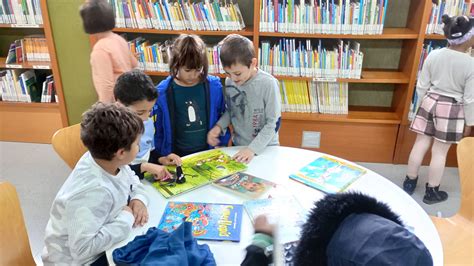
(324, 53)
(32, 105)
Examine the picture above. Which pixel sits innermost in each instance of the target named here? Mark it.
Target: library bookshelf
(33, 122)
(366, 133)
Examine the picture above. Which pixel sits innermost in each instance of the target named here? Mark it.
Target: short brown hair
(97, 16)
(106, 128)
(236, 49)
(189, 51)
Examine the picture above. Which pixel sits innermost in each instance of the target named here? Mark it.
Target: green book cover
(199, 170)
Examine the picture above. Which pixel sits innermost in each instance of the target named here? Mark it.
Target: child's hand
(261, 225)
(245, 155)
(171, 159)
(213, 136)
(139, 211)
(126, 208)
(159, 172)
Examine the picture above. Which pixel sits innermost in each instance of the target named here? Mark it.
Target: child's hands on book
(139, 211)
(213, 136)
(261, 225)
(171, 159)
(245, 155)
(159, 172)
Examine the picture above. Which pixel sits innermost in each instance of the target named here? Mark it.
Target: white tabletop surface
(276, 163)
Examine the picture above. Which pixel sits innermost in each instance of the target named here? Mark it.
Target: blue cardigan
(164, 106)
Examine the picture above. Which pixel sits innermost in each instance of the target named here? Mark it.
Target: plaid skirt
(440, 117)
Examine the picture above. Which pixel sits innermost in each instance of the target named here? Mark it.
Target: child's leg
(421, 146)
(439, 151)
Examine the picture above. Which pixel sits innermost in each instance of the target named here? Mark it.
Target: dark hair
(106, 128)
(189, 51)
(134, 86)
(236, 49)
(97, 16)
(455, 27)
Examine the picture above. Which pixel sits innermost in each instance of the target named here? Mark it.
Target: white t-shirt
(449, 73)
(87, 217)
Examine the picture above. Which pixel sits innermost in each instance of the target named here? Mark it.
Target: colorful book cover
(245, 184)
(285, 212)
(199, 170)
(211, 221)
(328, 174)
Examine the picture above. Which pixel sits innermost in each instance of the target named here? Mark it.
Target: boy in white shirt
(102, 198)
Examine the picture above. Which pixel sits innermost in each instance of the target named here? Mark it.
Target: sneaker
(434, 195)
(409, 185)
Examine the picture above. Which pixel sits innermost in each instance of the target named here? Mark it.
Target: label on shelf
(41, 67)
(24, 25)
(13, 66)
(325, 79)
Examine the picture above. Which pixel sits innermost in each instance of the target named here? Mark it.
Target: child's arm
(90, 226)
(424, 81)
(272, 115)
(103, 75)
(468, 99)
(262, 239)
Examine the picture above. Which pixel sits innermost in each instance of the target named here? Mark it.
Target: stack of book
(18, 85)
(314, 97)
(449, 7)
(304, 59)
(323, 16)
(18, 13)
(178, 15)
(32, 49)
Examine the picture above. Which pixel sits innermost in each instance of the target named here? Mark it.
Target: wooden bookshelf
(33, 122)
(365, 133)
(434, 37)
(388, 34)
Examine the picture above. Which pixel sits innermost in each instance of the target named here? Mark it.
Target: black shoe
(433, 195)
(409, 185)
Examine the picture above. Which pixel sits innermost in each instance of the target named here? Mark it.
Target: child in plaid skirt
(446, 89)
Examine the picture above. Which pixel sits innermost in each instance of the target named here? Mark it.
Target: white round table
(276, 163)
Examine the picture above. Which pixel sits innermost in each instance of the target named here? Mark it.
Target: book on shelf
(178, 15)
(28, 49)
(314, 97)
(285, 212)
(323, 16)
(328, 174)
(245, 185)
(211, 221)
(21, 13)
(305, 58)
(20, 85)
(199, 170)
(449, 7)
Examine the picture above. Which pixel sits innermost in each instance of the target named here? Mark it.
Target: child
(102, 198)
(344, 229)
(135, 90)
(110, 55)
(252, 98)
(189, 103)
(446, 87)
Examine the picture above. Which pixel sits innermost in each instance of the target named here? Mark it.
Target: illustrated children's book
(245, 184)
(199, 170)
(328, 174)
(285, 212)
(211, 221)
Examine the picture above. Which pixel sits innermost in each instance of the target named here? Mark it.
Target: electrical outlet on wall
(311, 139)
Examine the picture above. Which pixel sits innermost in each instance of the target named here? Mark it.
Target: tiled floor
(37, 173)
